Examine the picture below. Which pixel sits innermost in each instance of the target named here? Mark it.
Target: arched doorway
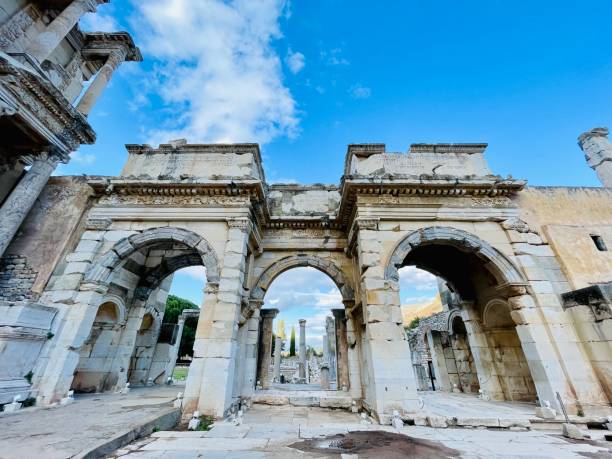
(326, 301)
(136, 273)
(481, 347)
(93, 372)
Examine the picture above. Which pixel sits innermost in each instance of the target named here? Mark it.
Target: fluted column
(277, 358)
(302, 351)
(341, 349)
(263, 372)
(95, 89)
(23, 196)
(44, 44)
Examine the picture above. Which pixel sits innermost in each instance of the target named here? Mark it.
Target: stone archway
(484, 278)
(294, 261)
(500, 266)
(100, 272)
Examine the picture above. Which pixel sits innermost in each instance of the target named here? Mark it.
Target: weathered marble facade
(510, 254)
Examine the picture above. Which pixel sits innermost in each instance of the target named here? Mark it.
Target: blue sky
(305, 78)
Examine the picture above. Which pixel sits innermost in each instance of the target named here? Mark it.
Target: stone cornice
(101, 42)
(415, 186)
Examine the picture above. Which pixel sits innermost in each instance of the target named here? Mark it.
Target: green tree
(292, 343)
(174, 307)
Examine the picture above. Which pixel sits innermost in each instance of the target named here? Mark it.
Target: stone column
(44, 44)
(330, 329)
(390, 380)
(277, 358)
(597, 150)
(211, 374)
(481, 352)
(265, 346)
(175, 349)
(302, 350)
(95, 89)
(438, 361)
(325, 376)
(23, 196)
(341, 349)
(250, 362)
(354, 356)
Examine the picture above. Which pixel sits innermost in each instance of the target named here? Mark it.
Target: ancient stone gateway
(438, 207)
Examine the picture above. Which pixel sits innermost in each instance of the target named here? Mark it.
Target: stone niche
(458, 160)
(177, 160)
(24, 329)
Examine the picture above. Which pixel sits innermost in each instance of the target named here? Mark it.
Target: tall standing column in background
(263, 372)
(302, 351)
(54, 33)
(23, 196)
(597, 149)
(341, 349)
(95, 89)
(277, 358)
(330, 329)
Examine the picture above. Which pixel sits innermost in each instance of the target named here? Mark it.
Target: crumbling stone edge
(164, 421)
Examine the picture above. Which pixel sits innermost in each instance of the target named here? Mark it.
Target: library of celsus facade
(528, 268)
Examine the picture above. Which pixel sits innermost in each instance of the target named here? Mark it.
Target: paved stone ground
(68, 431)
(470, 406)
(268, 432)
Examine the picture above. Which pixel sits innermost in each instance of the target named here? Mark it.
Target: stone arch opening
(322, 366)
(91, 373)
(481, 346)
(139, 270)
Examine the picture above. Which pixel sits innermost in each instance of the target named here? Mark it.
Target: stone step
(322, 401)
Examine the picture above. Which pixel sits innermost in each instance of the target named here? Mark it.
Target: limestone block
(521, 302)
(572, 431)
(533, 238)
(507, 423)
(117, 235)
(420, 421)
(123, 248)
(92, 235)
(67, 282)
(80, 256)
(542, 287)
(335, 402)
(536, 250)
(478, 422)
(88, 246)
(437, 421)
(77, 267)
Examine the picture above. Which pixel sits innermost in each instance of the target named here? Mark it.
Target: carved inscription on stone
(200, 201)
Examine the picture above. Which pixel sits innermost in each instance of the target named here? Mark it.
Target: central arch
(302, 260)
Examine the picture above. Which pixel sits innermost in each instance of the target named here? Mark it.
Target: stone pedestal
(265, 347)
(302, 351)
(23, 196)
(341, 349)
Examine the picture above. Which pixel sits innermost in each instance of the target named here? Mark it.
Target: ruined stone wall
(568, 218)
(50, 229)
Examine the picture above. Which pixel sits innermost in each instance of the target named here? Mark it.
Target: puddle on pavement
(376, 445)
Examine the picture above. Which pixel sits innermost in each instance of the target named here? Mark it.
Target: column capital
(268, 313)
(302, 322)
(339, 314)
(51, 156)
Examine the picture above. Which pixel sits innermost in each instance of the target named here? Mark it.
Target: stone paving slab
(268, 438)
(89, 422)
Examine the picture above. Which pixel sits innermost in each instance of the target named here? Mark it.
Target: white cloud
(195, 272)
(411, 276)
(82, 158)
(357, 91)
(295, 61)
(216, 70)
(334, 57)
